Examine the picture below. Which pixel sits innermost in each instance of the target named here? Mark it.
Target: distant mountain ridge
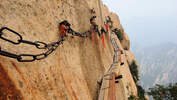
(157, 64)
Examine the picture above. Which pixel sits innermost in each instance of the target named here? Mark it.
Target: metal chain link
(38, 44)
(51, 49)
(31, 57)
(27, 57)
(83, 35)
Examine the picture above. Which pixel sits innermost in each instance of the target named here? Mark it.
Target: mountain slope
(157, 64)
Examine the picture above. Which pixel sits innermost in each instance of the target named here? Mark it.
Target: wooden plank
(104, 89)
(107, 85)
(102, 92)
(112, 88)
(108, 88)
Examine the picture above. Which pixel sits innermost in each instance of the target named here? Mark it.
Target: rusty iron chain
(83, 35)
(38, 44)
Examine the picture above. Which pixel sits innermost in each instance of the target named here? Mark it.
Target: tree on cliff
(119, 33)
(134, 71)
(161, 92)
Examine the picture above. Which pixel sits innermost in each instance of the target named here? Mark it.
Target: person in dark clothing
(92, 11)
(92, 20)
(102, 30)
(93, 27)
(118, 77)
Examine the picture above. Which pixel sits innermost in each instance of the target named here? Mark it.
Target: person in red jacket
(93, 28)
(64, 26)
(107, 27)
(102, 35)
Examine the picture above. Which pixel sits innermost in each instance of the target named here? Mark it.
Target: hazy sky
(147, 22)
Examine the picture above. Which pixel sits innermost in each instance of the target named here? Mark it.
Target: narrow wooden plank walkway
(108, 87)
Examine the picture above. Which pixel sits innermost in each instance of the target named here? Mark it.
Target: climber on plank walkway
(111, 77)
(102, 35)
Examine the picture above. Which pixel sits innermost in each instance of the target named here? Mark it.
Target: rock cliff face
(72, 71)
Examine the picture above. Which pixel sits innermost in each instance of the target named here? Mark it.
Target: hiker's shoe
(116, 81)
(119, 77)
(122, 63)
(122, 52)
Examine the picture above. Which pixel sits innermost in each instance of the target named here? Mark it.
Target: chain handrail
(38, 44)
(20, 39)
(32, 57)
